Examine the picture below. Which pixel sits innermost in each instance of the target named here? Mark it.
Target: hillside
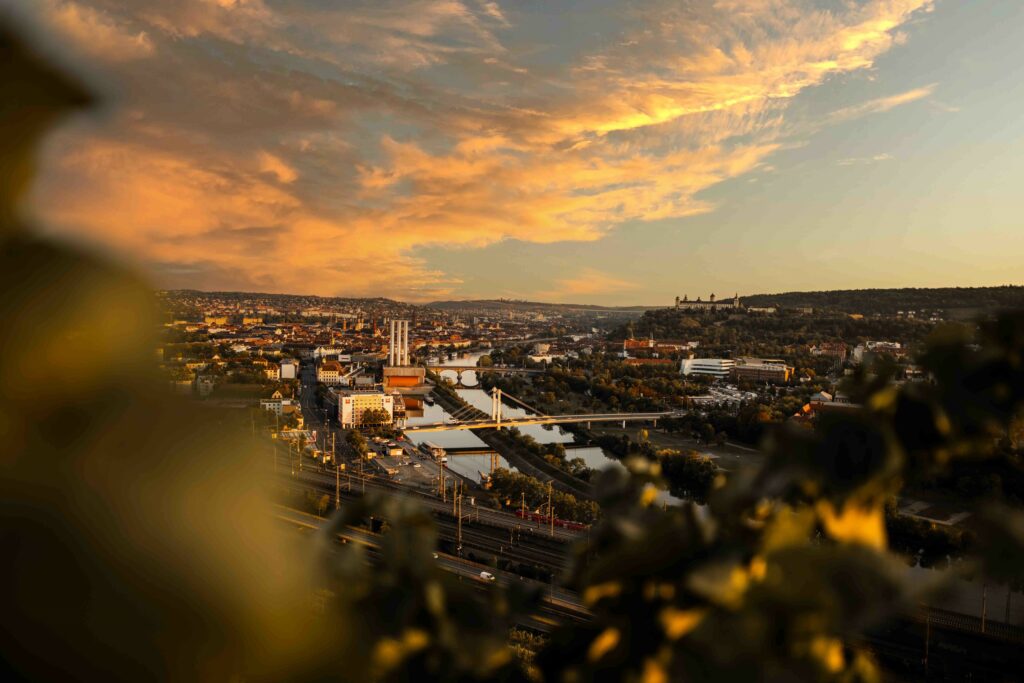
(868, 301)
(516, 305)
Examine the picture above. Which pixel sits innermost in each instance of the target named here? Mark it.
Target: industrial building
(399, 374)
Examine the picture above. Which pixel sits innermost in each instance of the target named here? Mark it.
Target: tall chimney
(405, 342)
(391, 345)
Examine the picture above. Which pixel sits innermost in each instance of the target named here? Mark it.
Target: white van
(487, 576)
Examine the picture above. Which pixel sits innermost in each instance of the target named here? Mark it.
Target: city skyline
(619, 155)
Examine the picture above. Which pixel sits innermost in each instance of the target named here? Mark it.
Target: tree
(376, 416)
(707, 432)
(357, 442)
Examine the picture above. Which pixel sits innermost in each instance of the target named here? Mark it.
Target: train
(544, 519)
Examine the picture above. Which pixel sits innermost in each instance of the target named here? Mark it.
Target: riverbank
(523, 460)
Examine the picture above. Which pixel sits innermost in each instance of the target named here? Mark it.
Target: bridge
(466, 418)
(496, 369)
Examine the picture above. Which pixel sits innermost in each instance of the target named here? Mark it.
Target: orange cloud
(97, 33)
(311, 148)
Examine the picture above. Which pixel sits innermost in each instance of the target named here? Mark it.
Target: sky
(583, 152)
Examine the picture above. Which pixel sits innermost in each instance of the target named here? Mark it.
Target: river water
(473, 465)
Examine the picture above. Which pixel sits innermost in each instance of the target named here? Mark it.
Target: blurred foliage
(138, 543)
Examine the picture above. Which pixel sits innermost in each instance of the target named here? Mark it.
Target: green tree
(376, 416)
(357, 442)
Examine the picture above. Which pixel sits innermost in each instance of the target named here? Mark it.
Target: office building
(709, 367)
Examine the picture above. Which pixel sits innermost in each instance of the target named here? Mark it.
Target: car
(435, 556)
(487, 576)
(416, 464)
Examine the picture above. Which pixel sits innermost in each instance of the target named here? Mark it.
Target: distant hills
(865, 301)
(868, 301)
(517, 305)
(966, 300)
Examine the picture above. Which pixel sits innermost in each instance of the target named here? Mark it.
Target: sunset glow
(378, 147)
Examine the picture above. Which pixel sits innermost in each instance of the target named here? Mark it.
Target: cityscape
(468, 340)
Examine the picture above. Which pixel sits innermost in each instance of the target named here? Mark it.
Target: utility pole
(984, 605)
(337, 486)
(524, 505)
(459, 535)
(927, 639)
(551, 510)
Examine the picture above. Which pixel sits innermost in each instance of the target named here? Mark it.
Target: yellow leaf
(415, 639)
(598, 592)
(387, 653)
(722, 584)
(603, 644)
(649, 495)
(788, 527)
(678, 622)
(854, 523)
(654, 672)
(829, 651)
(758, 568)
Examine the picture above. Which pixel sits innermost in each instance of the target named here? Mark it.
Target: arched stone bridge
(496, 369)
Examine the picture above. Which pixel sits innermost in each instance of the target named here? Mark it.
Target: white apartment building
(277, 405)
(711, 367)
(352, 405)
(289, 369)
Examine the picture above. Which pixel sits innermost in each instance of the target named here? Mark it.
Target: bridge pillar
(496, 406)
(623, 424)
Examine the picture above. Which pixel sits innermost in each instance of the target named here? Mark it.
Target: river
(473, 465)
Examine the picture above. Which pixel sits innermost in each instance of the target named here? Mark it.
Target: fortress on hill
(711, 304)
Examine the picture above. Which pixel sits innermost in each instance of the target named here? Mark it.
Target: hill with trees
(890, 301)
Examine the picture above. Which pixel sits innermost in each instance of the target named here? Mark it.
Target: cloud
(97, 33)
(881, 104)
(366, 130)
(586, 283)
(277, 167)
(853, 161)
